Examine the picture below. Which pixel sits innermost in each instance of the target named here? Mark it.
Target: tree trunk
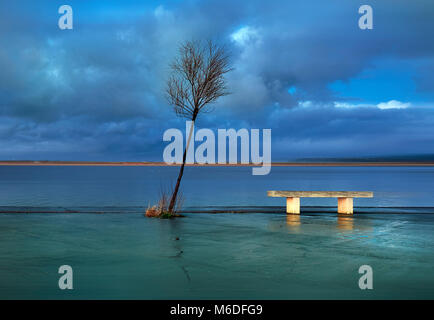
(181, 171)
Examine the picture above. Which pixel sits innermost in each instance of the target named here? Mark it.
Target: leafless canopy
(197, 78)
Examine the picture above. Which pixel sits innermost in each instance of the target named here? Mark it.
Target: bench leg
(345, 205)
(293, 205)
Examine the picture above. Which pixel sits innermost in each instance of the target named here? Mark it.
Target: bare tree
(196, 81)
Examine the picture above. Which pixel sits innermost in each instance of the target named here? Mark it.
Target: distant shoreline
(162, 164)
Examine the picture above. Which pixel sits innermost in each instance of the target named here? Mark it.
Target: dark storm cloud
(327, 131)
(96, 92)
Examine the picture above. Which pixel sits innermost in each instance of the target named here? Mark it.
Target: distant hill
(393, 158)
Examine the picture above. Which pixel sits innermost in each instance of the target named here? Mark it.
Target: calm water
(121, 254)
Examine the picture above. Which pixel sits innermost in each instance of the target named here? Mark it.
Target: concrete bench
(345, 198)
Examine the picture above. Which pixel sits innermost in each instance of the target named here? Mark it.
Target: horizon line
(163, 164)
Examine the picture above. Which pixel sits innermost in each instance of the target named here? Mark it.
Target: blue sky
(302, 68)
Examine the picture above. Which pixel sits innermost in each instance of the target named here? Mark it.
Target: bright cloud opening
(393, 104)
(245, 35)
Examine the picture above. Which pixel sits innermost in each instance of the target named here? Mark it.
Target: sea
(233, 242)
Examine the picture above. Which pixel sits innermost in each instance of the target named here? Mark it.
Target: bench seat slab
(321, 194)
